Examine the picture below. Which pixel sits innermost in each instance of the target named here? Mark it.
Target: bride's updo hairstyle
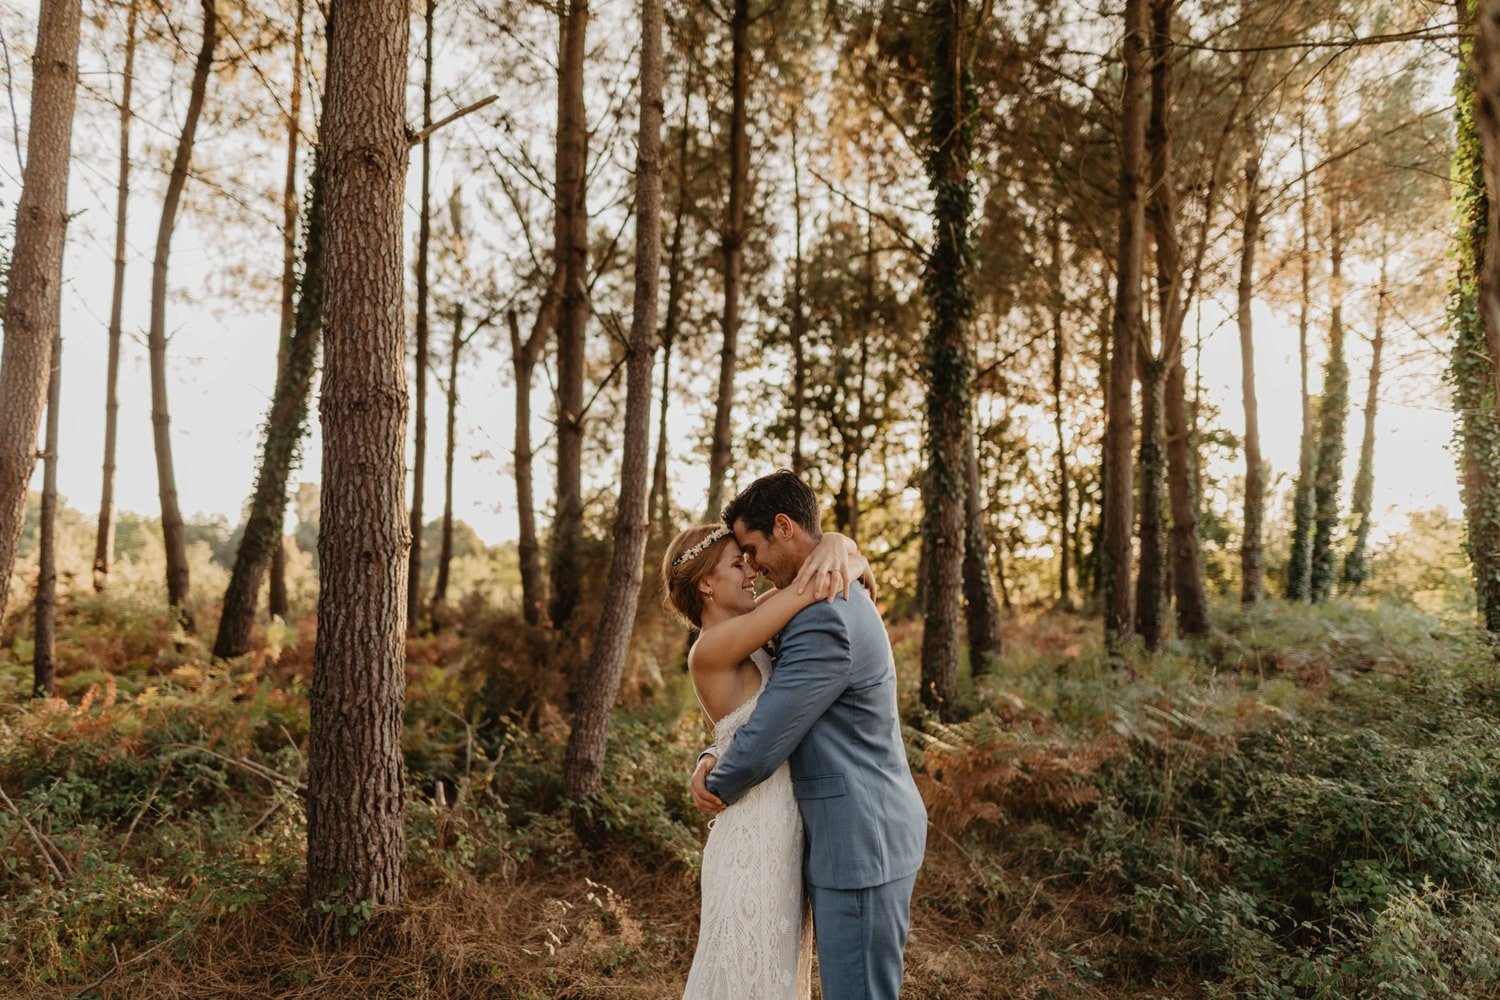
(690, 558)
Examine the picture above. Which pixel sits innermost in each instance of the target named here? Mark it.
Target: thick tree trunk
(43, 659)
(1186, 567)
(1059, 348)
(171, 514)
(1487, 123)
(104, 537)
(981, 609)
(1299, 562)
(277, 604)
(947, 362)
(424, 240)
(1361, 504)
(1333, 411)
(583, 774)
(733, 243)
(1151, 581)
(1472, 366)
(572, 249)
(445, 547)
(661, 501)
(356, 784)
(285, 429)
(1252, 551)
(1119, 430)
(33, 300)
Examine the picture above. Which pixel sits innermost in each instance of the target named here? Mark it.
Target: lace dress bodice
(755, 938)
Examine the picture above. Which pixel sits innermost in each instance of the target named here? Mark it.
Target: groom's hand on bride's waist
(706, 801)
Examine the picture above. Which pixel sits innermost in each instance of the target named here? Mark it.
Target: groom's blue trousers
(861, 935)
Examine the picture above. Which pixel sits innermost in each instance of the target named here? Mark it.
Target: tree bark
(799, 315)
(1333, 409)
(445, 548)
(1252, 551)
(285, 428)
(524, 354)
(1119, 434)
(277, 603)
(947, 363)
(661, 500)
(1059, 348)
(1299, 562)
(104, 537)
(571, 242)
(1151, 580)
(33, 300)
(356, 785)
(583, 775)
(43, 660)
(173, 536)
(1362, 502)
(1185, 552)
(424, 239)
(732, 249)
(1487, 122)
(981, 609)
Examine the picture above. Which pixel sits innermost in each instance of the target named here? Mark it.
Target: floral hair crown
(708, 539)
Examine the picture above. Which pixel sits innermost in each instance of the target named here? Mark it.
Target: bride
(755, 935)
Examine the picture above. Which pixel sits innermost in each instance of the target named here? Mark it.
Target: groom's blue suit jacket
(830, 705)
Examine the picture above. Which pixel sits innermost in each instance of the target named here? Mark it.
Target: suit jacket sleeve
(812, 669)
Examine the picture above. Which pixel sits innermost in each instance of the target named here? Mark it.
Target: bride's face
(732, 582)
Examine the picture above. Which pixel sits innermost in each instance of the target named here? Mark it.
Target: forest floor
(1305, 803)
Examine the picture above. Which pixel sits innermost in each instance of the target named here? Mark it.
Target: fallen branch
(130, 961)
(42, 843)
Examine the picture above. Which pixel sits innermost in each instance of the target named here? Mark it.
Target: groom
(830, 705)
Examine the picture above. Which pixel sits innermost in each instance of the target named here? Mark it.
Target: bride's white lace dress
(755, 941)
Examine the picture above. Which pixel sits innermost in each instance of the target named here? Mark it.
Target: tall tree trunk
(104, 537)
(1252, 552)
(356, 783)
(1471, 367)
(1361, 504)
(171, 514)
(524, 354)
(1333, 411)
(661, 501)
(572, 250)
(947, 363)
(583, 771)
(1119, 430)
(1059, 348)
(1151, 581)
(424, 240)
(33, 301)
(1186, 567)
(981, 609)
(799, 315)
(44, 648)
(733, 237)
(445, 548)
(277, 603)
(285, 428)
(1299, 562)
(1487, 122)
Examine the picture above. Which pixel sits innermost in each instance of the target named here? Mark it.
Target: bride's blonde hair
(680, 579)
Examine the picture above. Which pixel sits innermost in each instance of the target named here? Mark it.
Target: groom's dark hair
(782, 492)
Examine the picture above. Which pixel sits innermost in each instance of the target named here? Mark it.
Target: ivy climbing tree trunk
(1299, 561)
(571, 256)
(44, 646)
(1471, 368)
(1487, 123)
(583, 769)
(732, 248)
(172, 532)
(1252, 551)
(356, 783)
(33, 300)
(285, 428)
(946, 363)
(104, 536)
(1119, 432)
(1360, 504)
(1333, 409)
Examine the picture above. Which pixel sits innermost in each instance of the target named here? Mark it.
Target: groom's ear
(783, 527)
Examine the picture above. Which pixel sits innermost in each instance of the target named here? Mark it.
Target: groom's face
(765, 554)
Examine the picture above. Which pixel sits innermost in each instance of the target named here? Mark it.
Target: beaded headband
(708, 539)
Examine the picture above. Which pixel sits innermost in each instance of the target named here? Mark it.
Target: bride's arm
(827, 570)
